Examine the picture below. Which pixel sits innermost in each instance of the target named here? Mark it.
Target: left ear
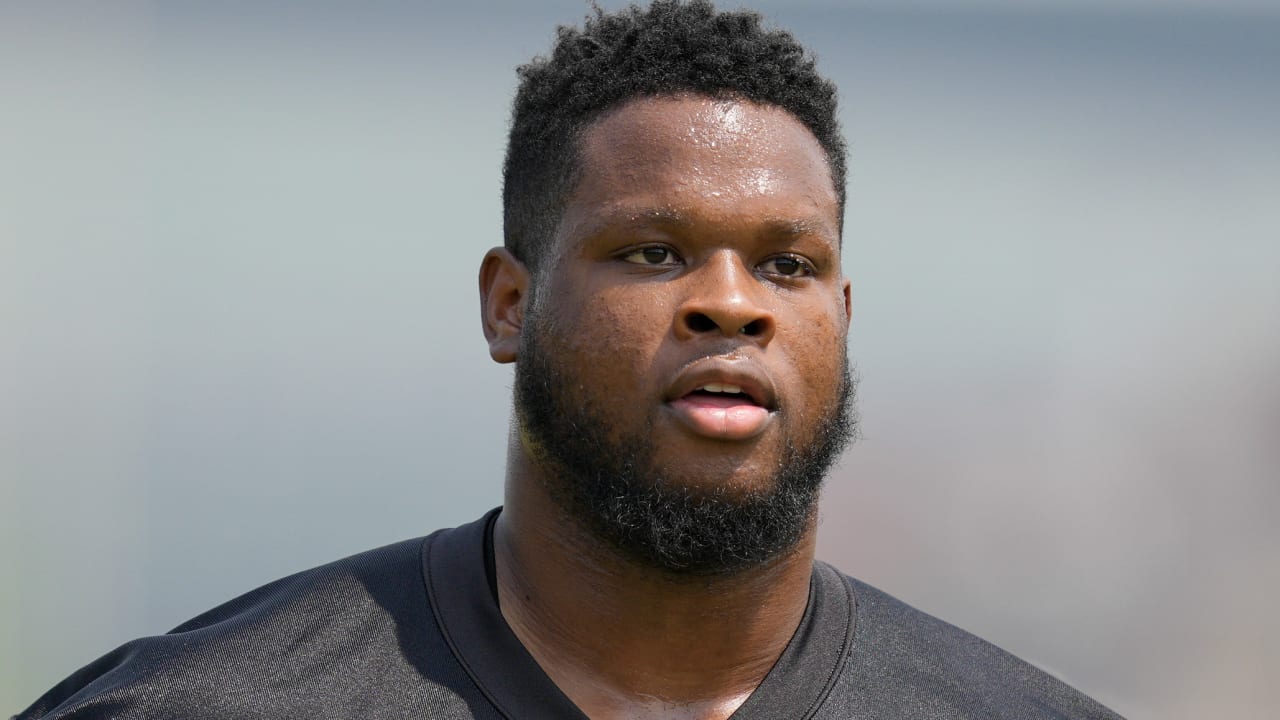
(504, 286)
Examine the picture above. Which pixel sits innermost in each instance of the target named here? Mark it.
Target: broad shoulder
(904, 662)
(375, 582)
(287, 644)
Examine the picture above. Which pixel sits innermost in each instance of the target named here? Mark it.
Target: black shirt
(413, 630)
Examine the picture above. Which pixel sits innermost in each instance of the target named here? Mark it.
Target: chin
(731, 484)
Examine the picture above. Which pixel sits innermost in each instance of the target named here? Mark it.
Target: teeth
(721, 388)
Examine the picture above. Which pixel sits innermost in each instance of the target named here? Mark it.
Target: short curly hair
(670, 48)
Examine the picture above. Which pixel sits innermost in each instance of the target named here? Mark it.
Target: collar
(457, 565)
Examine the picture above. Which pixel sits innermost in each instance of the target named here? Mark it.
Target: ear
(848, 303)
(504, 284)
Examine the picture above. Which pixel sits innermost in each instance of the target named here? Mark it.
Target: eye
(787, 266)
(652, 255)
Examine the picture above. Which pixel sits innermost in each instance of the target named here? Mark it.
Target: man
(671, 293)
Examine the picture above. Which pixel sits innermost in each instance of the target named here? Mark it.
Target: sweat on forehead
(727, 145)
(675, 163)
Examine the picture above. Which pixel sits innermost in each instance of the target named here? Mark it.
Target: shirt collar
(457, 565)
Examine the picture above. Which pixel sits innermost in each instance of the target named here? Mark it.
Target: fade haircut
(671, 48)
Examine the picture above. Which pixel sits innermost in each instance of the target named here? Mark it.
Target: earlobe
(504, 284)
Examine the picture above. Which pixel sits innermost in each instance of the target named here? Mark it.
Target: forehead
(706, 155)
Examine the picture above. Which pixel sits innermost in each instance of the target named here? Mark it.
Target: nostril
(698, 322)
(754, 328)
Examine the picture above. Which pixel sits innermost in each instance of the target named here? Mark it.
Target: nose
(725, 298)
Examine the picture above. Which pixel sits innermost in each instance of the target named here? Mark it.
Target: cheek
(613, 337)
(817, 349)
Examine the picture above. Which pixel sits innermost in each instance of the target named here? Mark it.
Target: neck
(626, 640)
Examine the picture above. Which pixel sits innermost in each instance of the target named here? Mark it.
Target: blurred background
(239, 329)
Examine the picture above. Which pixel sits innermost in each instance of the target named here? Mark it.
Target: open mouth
(720, 395)
(721, 411)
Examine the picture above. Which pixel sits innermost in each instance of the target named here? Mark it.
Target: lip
(716, 419)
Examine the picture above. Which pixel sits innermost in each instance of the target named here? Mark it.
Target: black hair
(670, 48)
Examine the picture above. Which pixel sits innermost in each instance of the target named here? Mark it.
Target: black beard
(611, 487)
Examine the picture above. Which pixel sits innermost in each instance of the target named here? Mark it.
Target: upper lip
(755, 383)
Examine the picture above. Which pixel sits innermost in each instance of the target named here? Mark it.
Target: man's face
(686, 341)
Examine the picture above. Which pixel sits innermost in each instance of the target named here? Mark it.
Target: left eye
(786, 266)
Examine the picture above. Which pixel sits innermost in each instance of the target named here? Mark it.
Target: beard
(607, 481)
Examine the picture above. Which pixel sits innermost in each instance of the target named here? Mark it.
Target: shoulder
(375, 582)
(905, 659)
(291, 637)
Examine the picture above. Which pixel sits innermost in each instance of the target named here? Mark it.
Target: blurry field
(239, 337)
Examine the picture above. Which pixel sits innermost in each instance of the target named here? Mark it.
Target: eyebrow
(794, 227)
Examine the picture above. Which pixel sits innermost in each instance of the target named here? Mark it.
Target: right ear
(504, 285)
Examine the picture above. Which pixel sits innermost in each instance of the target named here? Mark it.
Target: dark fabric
(354, 638)
(461, 596)
(907, 664)
(413, 630)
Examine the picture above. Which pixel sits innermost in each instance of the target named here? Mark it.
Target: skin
(700, 229)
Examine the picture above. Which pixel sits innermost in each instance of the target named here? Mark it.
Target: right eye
(652, 255)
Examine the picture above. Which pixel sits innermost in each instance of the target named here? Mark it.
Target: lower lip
(720, 418)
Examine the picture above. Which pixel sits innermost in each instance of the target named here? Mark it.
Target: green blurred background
(239, 337)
